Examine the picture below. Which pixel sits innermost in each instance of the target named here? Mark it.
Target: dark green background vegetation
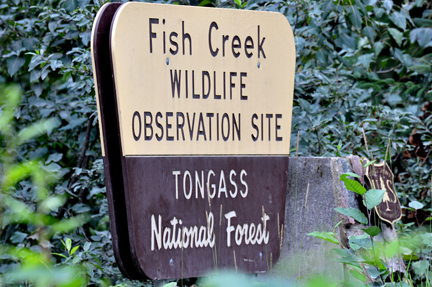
(360, 64)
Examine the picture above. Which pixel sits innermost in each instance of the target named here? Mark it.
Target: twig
(80, 164)
(11, 28)
(389, 70)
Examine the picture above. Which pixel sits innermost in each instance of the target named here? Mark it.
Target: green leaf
(397, 36)
(392, 249)
(354, 186)
(372, 231)
(14, 64)
(421, 35)
(365, 60)
(74, 249)
(405, 251)
(336, 226)
(76, 259)
(205, 2)
(327, 236)
(68, 244)
(354, 213)
(322, 56)
(328, 6)
(18, 173)
(378, 47)
(373, 197)
(70, 5)
(416, 205)
(369, 163)
(66, 225)
(344, 175)
(357, 275)
(388, 5)
(360, 241)
(87, 246)
(421, 69)
(58, 254)
(399, 20)
(411, 257)
(420, 267)
(18, 237)
(355, 17)
(37, 129)
(370, 33)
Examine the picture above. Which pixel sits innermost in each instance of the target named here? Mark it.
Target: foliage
(370, 258)
(30, 262)
(361, 64)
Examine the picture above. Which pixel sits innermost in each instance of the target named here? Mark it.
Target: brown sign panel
(195, 129)
(380, 176)
(202, 213)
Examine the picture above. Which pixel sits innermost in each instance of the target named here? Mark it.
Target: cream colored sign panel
(202, 81)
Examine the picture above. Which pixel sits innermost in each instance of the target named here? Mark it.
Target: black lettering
(201, 131)
(262, 126)
(180, 126)
(260, 44)
(148, 125)
(249, 45)
(195, 96)
(164, 44)
(159, 137)
(187, 36)
(187, 83)
(174, 43)
(189, 125)
(205, 74)
(224, 85)
(242, 86)
(210, 115)
(232, 85)
(236, 46)
(136, 137)
(213, 52)
(278, 116)
(224, 39)
(217, 126)
(225, 137)
(175, 82)
(236, 127)
(269, 116)
(168, 126)
(216, 96)
(152, 35)
(255, 138)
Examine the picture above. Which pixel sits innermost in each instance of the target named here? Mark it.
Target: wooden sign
(195, 117)
(380, 176)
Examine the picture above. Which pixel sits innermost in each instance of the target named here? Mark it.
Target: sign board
(195, 124)
(380, 176)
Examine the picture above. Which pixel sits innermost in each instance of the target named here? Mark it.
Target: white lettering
(187, 174)
(222, 185)
(233, 194)
(176, 174)
(229, 228)
(243, 172)
(199, 184)
(212, 195)
(156, 232)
